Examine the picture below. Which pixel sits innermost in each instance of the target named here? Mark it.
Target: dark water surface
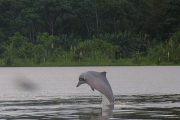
(88, 108)
(142, 93)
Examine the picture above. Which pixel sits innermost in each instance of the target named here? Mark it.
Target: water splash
(107, 108)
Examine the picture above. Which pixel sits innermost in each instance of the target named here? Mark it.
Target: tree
(18, 41)
(173, 47)
(94, 47)
(39, 54)
(172, 20)
(8, 55)
(52, 11)
(28, 20)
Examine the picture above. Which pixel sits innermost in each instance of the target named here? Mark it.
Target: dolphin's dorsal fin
(103, 73)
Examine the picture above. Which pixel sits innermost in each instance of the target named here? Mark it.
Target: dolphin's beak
(81, 81)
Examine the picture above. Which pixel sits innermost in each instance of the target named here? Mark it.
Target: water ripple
(89, 108)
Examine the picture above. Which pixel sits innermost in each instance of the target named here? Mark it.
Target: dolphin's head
(81, 80)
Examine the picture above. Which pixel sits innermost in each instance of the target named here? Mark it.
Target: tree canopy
(43, 31)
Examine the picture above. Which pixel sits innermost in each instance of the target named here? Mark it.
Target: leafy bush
(95, 48)
(173, 47)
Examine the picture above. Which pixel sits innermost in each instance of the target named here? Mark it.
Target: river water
(34, 93)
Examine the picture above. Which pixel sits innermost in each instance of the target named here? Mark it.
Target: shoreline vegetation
(62, 63)
(89, 32)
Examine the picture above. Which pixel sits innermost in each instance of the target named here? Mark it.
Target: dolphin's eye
(81, 79)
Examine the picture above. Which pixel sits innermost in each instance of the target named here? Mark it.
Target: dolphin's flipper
(92, 88)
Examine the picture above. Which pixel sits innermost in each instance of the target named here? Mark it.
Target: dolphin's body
(98, 81)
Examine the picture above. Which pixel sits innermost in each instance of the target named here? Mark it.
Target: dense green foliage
(89, 32)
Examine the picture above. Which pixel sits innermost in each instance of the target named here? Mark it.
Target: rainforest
(89, 32)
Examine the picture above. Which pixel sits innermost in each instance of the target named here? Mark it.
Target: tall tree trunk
(88, 29)
(115, 25)
(97, 22)
(52, 29)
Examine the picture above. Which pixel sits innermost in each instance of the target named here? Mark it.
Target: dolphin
(98, 81)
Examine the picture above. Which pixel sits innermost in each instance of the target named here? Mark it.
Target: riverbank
(64, 63)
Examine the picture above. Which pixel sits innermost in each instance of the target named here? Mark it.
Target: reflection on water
(89, 108)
